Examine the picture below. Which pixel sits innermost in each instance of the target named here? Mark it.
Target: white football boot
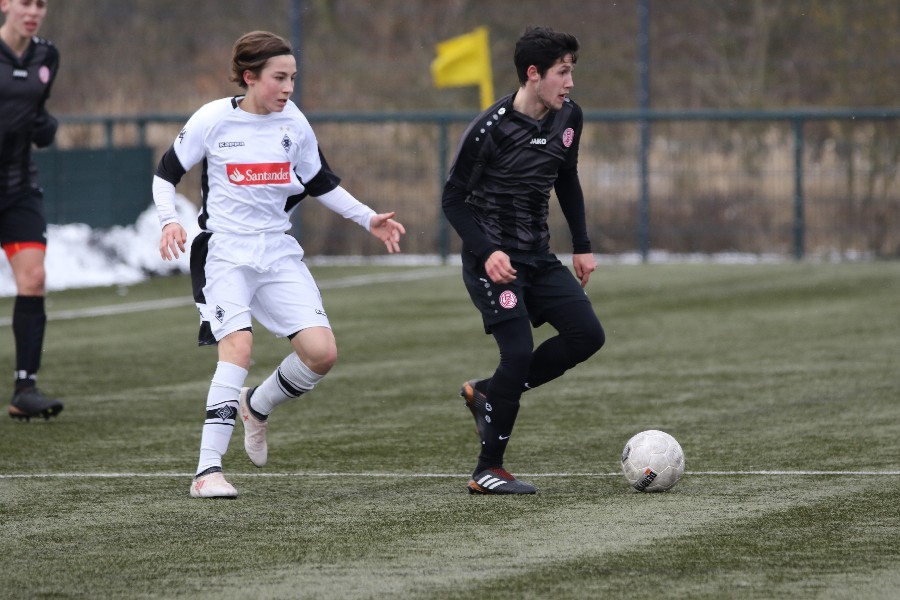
(254, 431)
(212, 485)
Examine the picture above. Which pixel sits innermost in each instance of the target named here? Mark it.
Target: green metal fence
(789, 183)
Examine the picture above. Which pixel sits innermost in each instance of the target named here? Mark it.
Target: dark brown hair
(251, 52)
(542, 47)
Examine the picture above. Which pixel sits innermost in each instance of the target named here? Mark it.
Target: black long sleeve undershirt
(462, 220)
(571, 201)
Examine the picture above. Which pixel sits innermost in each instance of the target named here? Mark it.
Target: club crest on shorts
(220, 313)
(508, 299)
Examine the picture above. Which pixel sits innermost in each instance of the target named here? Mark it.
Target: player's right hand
(173, 239)
(499, 268)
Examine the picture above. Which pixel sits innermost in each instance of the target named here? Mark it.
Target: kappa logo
(508, 299)
(181, 135)
(230, 144)
(259, 173)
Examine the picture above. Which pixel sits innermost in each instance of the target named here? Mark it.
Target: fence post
(799, 224)
(443, 229)
(644, 105)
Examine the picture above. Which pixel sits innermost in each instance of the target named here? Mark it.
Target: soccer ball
(652, 461)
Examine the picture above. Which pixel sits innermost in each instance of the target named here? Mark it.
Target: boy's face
(557, 82)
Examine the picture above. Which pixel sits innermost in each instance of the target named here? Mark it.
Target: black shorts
(22, 219)
(542, 282)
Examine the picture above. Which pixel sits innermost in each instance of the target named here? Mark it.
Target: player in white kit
(260, 158)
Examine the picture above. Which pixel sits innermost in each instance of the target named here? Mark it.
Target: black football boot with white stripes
(498, 481)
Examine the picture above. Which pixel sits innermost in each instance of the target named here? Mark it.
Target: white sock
(291, 379)
(221, 410)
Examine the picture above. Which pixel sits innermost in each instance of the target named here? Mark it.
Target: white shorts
(259, 276)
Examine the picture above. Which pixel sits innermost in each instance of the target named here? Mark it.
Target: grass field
(780, 381)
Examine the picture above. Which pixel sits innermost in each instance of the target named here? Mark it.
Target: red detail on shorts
(259, 173)
(13, 248)
(508, 299)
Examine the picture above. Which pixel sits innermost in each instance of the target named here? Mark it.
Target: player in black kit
(497, 199)
(28, 66)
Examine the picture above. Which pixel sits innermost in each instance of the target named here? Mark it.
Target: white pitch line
(379, 475)
(133, 307)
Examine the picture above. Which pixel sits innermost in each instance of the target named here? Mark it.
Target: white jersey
(253, 163)
(256, 168)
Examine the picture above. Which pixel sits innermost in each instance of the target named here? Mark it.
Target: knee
(591, 339)
(237, 348)
(320, 357)
(517, 357)
(316, 348)
(30, 281)
(321, 360)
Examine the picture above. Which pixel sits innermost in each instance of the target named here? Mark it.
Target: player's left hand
(386, 229)
(584, 264)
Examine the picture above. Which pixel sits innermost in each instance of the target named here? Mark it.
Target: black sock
(28, 324)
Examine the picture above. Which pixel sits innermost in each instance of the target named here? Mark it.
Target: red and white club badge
(508, 299)
(568, 137)
(44, 74)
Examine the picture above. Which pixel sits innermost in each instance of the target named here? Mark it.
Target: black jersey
(498, 190)
(24, 88)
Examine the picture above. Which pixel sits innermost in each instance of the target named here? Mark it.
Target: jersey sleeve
(190, 144)
(45, 125)
(310, 165)
(569, 192)
(469, 161)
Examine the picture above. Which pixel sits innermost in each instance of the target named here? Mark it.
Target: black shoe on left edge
(30, 402)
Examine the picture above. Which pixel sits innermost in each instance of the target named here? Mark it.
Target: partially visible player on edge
(497, 199)
(28, 66)
(260, 158)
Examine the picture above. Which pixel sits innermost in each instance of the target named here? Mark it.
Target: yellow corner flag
(465, 60)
